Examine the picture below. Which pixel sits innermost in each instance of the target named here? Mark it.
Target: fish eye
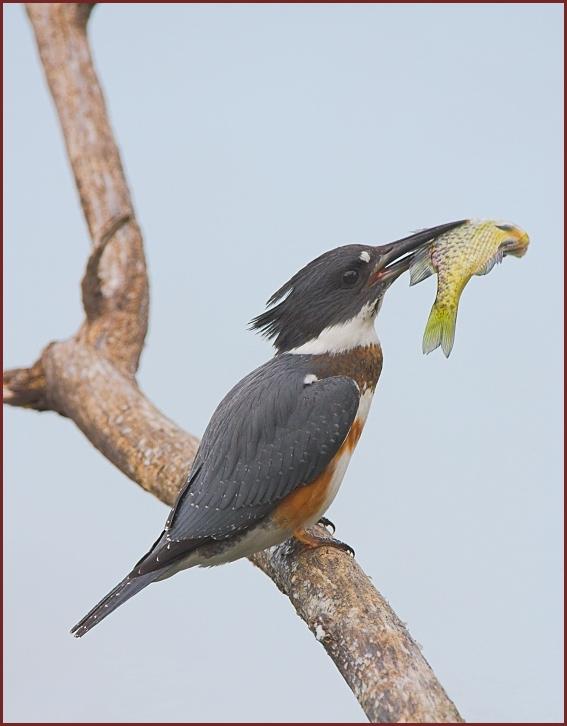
(350, 278)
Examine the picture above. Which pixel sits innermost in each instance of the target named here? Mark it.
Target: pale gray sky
(255, 138)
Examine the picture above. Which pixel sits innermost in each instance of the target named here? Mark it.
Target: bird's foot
(327, 523)
(313, 540)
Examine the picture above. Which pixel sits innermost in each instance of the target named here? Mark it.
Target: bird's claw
(327, 523)
(341, 546)
(313, 540)
(335, 542)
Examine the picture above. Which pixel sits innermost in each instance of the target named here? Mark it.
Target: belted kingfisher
(277, 447)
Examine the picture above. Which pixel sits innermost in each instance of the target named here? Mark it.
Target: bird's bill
(391, 261)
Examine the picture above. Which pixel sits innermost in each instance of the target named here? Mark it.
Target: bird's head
(329, 306)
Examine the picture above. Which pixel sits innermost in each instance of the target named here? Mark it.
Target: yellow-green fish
(471, 249)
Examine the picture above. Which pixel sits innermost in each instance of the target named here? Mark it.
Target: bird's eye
(350, 278)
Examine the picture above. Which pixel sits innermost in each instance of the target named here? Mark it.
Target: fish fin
(489, 264)
(440, 329)
(421, 266)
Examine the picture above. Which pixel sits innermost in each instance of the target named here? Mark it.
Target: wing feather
(270, 435)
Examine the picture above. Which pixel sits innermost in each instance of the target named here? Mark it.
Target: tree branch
(90, 379)
(116, 299)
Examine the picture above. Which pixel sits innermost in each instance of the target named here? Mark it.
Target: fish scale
(471, 249)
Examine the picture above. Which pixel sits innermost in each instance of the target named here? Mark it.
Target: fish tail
(440, 328)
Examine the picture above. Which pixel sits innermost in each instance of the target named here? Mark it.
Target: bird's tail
(123, 591)
(440, 328)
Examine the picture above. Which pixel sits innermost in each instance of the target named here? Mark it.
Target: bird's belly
(331, 490)
(263, 535)
(342, 458)
(307, 504)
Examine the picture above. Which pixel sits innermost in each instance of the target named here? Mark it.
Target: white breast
(364, 405)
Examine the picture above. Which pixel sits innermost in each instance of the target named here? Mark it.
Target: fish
(470, 249)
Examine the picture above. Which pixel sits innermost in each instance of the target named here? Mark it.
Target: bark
(90, 378)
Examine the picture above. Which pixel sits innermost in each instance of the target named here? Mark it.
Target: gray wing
(270, 435)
